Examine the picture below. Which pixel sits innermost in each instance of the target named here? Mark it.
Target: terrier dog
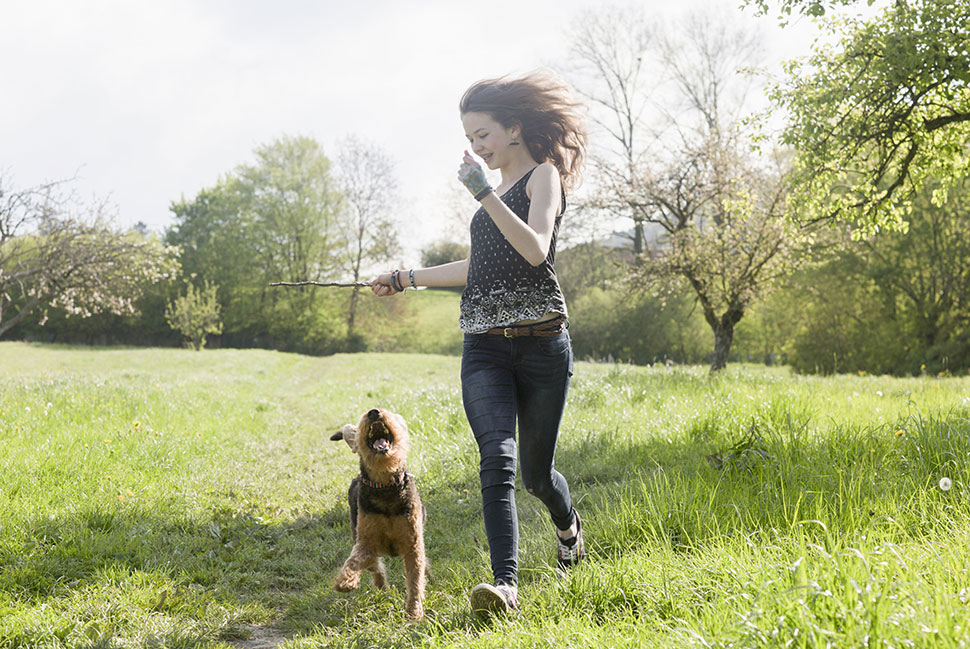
(386, 512)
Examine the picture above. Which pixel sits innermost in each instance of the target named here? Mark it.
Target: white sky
(149, 101)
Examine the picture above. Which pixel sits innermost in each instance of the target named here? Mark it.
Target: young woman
(517, 357)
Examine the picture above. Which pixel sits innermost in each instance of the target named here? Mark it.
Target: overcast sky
(149, 101)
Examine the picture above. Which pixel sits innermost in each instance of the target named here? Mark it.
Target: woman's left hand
(471, 175)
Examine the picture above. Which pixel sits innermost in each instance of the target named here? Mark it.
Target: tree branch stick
(309, 283)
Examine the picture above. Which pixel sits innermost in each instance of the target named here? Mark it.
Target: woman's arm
(451, 274)
(530, 239)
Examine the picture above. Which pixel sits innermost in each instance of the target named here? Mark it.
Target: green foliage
(442, 252)
(630, 326)
(814, 8)
(165, 498)
(196, 314)
(56, 254)
(277, 219)
(875, 117)
(895, 302)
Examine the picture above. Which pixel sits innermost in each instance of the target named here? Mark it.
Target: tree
(805, 7)
(877, 116)
(610, 49)
(443, 252)
(368, 185)
(720, 209)
(55, 253)
(278, 218)
(196, 314)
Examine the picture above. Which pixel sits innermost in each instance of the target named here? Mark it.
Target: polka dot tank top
(502, 287)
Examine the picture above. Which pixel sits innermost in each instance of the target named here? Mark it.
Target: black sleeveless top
(502, 287)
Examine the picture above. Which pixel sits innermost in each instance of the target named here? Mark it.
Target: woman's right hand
(381, 285)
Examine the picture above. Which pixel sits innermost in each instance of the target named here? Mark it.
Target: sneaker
(494, 600)
(572, 551)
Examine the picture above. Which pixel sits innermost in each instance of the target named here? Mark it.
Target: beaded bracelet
(411, 277)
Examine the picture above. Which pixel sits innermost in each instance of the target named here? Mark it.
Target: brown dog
(386, 513)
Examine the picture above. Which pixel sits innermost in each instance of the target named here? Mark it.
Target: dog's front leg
(349, 576)
(414, 570)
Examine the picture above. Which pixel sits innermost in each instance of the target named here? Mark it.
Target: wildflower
(137, 423)
(945, 484)
(899, 433)
(879, 393)
(862, 372)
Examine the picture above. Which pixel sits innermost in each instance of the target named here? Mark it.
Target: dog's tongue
(382, 444)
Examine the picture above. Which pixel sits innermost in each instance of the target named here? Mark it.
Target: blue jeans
(504, 381)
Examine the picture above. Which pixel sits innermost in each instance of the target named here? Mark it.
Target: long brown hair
(541, 106)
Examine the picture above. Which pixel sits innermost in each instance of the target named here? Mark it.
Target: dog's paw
(346, 582)
(416, 612)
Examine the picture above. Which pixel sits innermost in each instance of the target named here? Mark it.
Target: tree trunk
(27, 308)
(723, 337)
(353, 309)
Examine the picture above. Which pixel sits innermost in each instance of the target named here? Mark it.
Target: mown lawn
(168, 498)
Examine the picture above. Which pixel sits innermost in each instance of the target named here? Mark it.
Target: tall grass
(167, 498)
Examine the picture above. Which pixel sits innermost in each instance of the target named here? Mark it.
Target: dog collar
(398, 481)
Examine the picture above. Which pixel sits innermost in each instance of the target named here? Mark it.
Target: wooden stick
(308, 283)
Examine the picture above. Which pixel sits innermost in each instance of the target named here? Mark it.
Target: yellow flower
(899, 433)
(137, 423)
(862, 372)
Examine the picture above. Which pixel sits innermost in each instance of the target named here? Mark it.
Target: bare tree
(611, 51)
(369, 187)
(55, 254)
(689, 169)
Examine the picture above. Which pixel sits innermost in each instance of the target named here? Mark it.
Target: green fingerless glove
(474, 179)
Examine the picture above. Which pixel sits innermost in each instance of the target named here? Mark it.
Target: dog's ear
(348, 433)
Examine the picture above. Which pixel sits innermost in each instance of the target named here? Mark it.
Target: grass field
(168, 498)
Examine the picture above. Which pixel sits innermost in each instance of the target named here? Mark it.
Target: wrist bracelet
(485, 192)
(396, 281)
(411, 277)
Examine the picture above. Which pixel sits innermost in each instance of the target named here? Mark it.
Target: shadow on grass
(113, 568)
(104, 571)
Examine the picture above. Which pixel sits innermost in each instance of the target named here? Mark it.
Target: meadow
(169, 498)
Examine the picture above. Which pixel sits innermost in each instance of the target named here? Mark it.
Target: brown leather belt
(552, 327)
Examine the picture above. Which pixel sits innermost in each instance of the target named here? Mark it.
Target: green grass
(168, 498)
(432, 327)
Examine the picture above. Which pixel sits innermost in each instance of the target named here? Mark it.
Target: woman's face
(489, 140)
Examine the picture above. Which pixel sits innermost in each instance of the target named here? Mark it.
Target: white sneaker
(498, 599)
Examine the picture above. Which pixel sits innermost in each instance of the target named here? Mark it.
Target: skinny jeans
(509, 381)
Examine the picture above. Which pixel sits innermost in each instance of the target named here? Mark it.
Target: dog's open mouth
(381, 445)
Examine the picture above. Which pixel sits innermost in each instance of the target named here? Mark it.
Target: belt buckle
(507, 332)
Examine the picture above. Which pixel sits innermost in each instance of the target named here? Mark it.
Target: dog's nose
(374, 415)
